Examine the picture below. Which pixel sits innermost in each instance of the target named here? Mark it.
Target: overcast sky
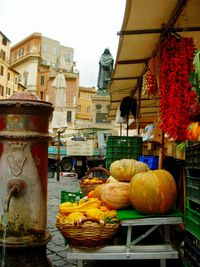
(88, 26)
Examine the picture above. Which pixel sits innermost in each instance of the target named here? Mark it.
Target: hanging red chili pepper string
(176, 96)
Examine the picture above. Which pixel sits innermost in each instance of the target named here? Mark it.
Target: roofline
(33, 35)
(5, 36)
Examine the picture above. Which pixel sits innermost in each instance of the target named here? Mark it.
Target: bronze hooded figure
(105, 70)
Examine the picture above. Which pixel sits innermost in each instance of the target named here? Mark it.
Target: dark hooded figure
(105, 70)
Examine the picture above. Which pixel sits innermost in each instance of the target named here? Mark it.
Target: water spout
(15, 187)
(11, 192)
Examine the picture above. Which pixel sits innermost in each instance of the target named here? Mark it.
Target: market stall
(157, 66)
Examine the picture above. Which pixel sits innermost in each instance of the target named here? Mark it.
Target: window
(21, 52)
(15, 55)
(25, 76)
(69, 116)
(42, 80)
(79, 108)
(41, 95)
(68, 57)
(8, 76)
(4, 41)
(2, 70)
(28, 48)
(101, 118)
(8, 91)
(3, 54)
(54, 51)
(88, 109)
(1, 90)
(16, 81)
(44, 48)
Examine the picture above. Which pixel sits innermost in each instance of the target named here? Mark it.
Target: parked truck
(78, 153)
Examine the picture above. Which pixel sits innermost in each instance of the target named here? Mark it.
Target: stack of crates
(123, 147)
(192, 216)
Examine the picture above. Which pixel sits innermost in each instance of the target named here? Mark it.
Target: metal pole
(58, 157)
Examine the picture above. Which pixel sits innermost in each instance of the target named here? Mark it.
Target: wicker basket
(88, 232)
(99, 172)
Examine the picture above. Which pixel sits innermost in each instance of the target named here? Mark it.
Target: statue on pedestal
(105, 70)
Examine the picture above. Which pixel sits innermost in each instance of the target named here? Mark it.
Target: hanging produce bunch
(149, 85)
(176, 94)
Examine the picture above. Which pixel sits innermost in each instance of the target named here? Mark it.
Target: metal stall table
(130, 250)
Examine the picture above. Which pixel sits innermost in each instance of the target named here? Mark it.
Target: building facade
(38, 59)
(85, 108)
(9, 77)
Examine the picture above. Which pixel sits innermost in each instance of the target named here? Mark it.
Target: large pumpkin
(115, 195)
(124, 169)
(153, 192)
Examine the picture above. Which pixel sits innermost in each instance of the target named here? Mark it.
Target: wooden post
(138, 110)
(161, 153)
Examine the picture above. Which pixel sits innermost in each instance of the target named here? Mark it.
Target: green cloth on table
(129, 214)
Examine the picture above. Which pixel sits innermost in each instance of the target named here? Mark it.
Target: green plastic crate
(192, 156)
(193, 189)
(123, 147)
(70, 196)
(192, 220)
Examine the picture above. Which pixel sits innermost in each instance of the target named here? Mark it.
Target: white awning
(144, 23)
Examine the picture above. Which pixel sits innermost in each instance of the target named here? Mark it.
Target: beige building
(38, 59)
(8, 76)
(85, 109)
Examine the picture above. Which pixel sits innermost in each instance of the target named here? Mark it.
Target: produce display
(94, 180)
(147, 191)
(85, 208)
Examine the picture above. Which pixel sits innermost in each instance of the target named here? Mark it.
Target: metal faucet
(15, 187)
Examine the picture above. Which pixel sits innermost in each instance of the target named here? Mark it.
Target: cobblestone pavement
(56, 249)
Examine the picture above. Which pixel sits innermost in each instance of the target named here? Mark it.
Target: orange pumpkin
(153, 192)
(115, 195)
(123, 170)
(193, 131)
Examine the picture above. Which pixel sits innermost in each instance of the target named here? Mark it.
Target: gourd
(153, 192)
(115, 195)
(66, 208)
(124, 169)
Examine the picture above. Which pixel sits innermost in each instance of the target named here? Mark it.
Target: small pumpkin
(153, 192)
(193, 131)
(124, 169)
(115, 195)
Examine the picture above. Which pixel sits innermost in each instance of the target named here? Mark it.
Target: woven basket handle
(83, 220)
(95, 169)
